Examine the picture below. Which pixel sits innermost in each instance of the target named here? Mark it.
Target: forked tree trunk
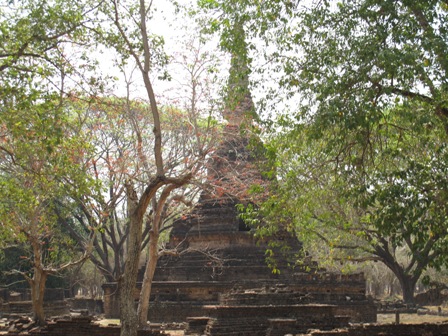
(137, 207)
(136, 210)
(407, 275)
(153, 257)
(408, 287)
(407, 281)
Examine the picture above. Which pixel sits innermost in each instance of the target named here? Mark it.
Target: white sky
(177, 29)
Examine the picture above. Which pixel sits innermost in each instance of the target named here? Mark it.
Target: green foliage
(257, 16)
(16, 258)
(42, 143)
(409, 204)
(13, 258)
(366, 194)
(361, 162)
(41, 165)
(372, 76)
(122, 33)
(352, 61)
(242, 26)
(33, 38)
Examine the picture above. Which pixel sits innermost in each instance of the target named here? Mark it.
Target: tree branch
(404, 93)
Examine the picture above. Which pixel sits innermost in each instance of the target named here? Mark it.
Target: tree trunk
(153, 257)
(128, 311)
(145, 293)
(38, 281)
(407, 276)
(37, 285)
(136, 211)
(407, 282)
(408, 287)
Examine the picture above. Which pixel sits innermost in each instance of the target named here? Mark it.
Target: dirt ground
(411, 318)
(382, 319)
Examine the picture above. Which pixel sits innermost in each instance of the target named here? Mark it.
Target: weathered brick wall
(263, 320)
(84, 327)
(111, 301)
(54, 294)
(24, 294)
(166, 312)
(358, 311)
(52, 308)
(348, 291)
(92, 306)
(440, 329)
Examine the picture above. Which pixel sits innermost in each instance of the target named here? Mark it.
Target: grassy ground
(416, 318)
(411, 318)
(106, 322)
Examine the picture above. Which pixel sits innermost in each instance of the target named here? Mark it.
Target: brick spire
(239, 107)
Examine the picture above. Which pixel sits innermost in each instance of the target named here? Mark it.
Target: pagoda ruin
(221, 268)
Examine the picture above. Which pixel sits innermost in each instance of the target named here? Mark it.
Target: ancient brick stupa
(223, 262)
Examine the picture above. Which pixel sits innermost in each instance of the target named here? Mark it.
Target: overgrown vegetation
(356, 98)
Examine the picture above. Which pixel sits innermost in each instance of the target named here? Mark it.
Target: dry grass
(107, 322)
(411, 318)
(175, 332)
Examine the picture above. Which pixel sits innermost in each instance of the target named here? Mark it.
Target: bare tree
(157, 171)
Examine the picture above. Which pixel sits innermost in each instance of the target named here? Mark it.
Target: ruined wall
(259, 320)
(83, 326)
(425, 329)
(91, 306)
(24, 294)
(51, 308)
(174, 301)
(111, 300)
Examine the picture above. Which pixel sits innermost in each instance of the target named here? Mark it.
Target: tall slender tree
(157, 177)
